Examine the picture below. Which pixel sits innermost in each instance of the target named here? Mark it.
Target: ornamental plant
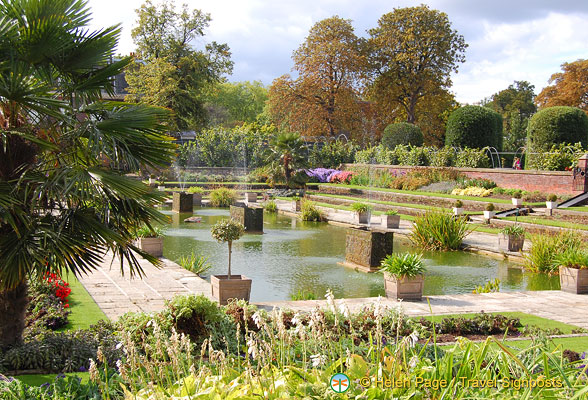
(490, 207)
(321, 175)
(552, 197)
(513, 230)
(391, 212)
(195, 189)
(458, 204)
(407, 265)
(222, 197)
(60, 287)
(575, 257)
(517, 195)
(149, 232)
(227, 230)
(361, 207)
(342, 177)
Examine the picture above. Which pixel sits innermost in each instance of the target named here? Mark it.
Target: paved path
(553, 304)
(116, 294)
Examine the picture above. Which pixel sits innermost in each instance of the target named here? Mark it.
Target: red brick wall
(559, 182)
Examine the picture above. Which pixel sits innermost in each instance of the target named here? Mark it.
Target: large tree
(231, 104)
(413, 51)
(516, 105)
(169, 71)
(323, 100)
(64, 199)
(567, 88)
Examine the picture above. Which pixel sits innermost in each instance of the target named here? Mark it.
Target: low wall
(559, 182)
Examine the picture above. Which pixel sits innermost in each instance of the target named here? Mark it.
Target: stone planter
(457, 211)
(410, 289)
(153, 246)
(161, 188)
(250, 197)
(365, 249)
(197, 201)
(364, 217)
(296, 206)
(489, 214)
(182, 202)
(517, 202)
(511, 242)
(250, 217)
(391, 221)
(223, 289)
(573, 280)
(551, 205)
(152, 181)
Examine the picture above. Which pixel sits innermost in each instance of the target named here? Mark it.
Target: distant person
(516, 163)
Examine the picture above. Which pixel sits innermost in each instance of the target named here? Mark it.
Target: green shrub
(402, 133)
(552, 197)
(223, 197)
(195, 189)
(513, 230)
(490, 207)
(361, 207)
(545, 248)
(412, 155)
(195, 263)
(332, 154)
(436, 230)
(553, 126)
(475, 127)
(309, 211)
(557, 158)
(478, 182)
(573, 257)
(458, 204)
(270, 206)
(391, 212)
(443, 157)
(146, 232)
(403, 265)
(472, 158)
(303, 295)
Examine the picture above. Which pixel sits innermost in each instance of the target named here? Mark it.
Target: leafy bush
(490, 207)
(443, 157)
(559, 157)
(309, 211)
(458, 204)
(573, 257)
(195, 189)
(332, 154)
(402, 133)
(403, 265)
(477, 182)
(552, 197)
(361, 207)
(222, 197)
(545, 249)
(475, 127)
(149, 232)
(391, 212)
(554, 125)
(513, 230)
(270, 206)
(472, 158)
(437, 230)
(472, 191)
(62, 388)
(195, 263)
(342, 177)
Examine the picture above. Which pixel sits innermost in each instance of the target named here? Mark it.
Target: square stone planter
(573, 280)
(182, 202)
(457, 210)
(197, 200)
(250, 216)
(391, 221)
(489, 214)
(365, 249)
(551, 205)
(296, 206)
(511, 242)
(250, 197)
(517, 202)
(224, 289)
(364, 217)
(410, 289)
(153, 246)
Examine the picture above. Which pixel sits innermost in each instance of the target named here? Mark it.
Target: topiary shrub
(402, 133)
(475, 127)
(552, 126)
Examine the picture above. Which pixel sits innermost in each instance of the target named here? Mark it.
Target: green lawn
(578, 208)
(38, 380)
(211, 183)
(84, 310)
(547, 222)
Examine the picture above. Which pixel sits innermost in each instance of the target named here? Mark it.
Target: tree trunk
(230, 248)
(13, 307)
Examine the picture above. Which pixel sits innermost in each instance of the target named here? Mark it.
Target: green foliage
(195, 263)
(546, 248)
(437, 230)
(403, 265)
(557, 158)
(391, 212)
(489, 287)
(223, 197)
(149, 232)
(195, 189)
(287, 153)
(572, 257)
(227, 230)
(402, 133)
(361, 207)
(230, 104)
(270, 206)
(476, 182)
(303, 295)
(490, 207)
(517, 194)
(332, 154)
(458, 204)
(555, 125)
(472, 158)
(475, 127)
(310, 212)
(513, 230)
(45, 310)
(62, 388)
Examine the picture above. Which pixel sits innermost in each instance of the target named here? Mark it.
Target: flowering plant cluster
(342, 177)
(325, 175)
(61, 287)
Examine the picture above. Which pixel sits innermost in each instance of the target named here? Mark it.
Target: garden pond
(294, 256)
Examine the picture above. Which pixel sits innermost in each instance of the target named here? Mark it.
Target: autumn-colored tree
(567, 88)
(323, 100)
(413, 50)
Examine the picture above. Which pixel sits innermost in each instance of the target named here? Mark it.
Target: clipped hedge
(474, 127)
(554, 126)
(402, 133)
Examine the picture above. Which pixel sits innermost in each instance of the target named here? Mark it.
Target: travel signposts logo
(339, 383)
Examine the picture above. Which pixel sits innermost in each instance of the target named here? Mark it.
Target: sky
(507, 40)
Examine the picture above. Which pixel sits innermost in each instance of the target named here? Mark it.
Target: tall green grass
(439, 231)
(547, 246)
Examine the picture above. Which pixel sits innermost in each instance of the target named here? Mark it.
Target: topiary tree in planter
(225, 287)
(474, 127)
(402, 133)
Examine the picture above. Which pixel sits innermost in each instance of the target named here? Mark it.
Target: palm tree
(287, 152)
(64, 199)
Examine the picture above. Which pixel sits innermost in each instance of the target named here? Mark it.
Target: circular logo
(339, 383)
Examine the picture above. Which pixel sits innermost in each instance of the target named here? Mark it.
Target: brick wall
(559, 182)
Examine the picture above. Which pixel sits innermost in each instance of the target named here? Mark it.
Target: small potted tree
(489, 211)
(225, 287)
(363, 212)
(197, 193)
(296, 204)
(458, 208)
(404, 276)
(391, 219)
(551, 202)
(517, 198)
(512, 238)
(573, 270)
(150, 240)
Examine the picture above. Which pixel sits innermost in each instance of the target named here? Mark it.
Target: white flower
(412, 339)
(318, 360)
(118, 345)
(330, 300)
(413, 361)
(256, 317)
(252, 347)
(343, 309)
(296, 319)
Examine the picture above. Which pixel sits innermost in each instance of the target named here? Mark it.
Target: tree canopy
(231, 104)
(567, 88)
